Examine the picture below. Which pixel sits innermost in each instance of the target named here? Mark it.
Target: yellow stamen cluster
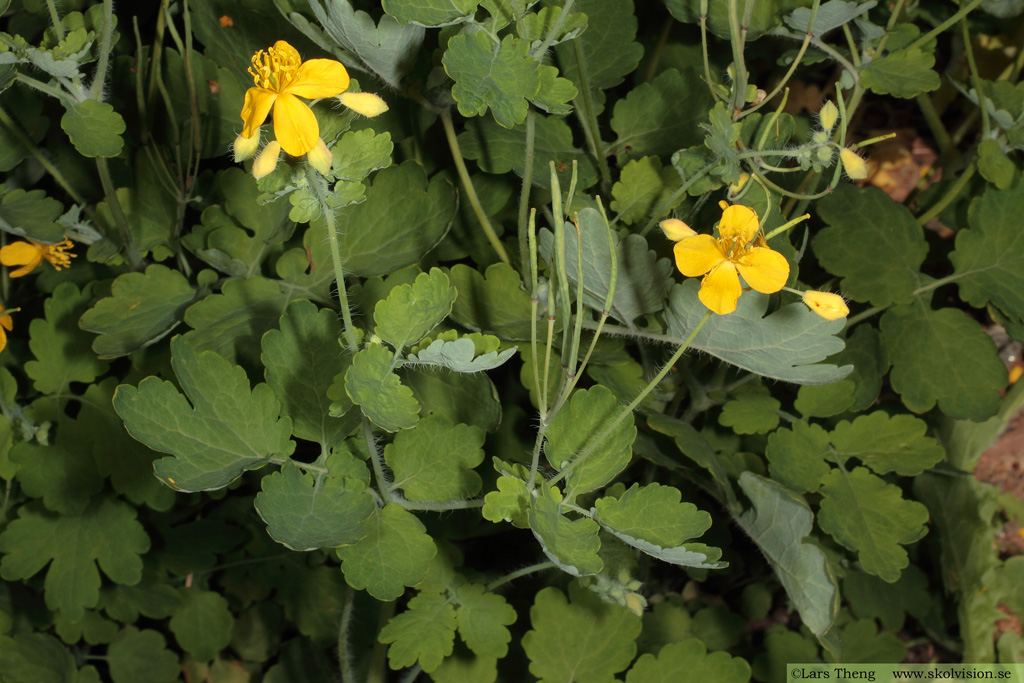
(274, 69)
(57, 254)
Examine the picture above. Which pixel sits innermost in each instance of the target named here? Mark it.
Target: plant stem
(963, 12)
(467, 185)
(541, 49)
(628, 410)
(950, 195)
(127, 241)
(519, 573)
(588, 117)
(739, 95)
(986, 126)
(54, 172)
(319, 185)
(100, 77)
(524, 193)
(348, 674)
(46, 88)
(55, 19)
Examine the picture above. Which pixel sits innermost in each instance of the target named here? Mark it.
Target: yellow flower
(31, 253)
(6, 324)
(827, 305)
(281, 78)
(739, 250)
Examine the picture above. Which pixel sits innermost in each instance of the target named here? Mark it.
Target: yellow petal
(365, 103)
(827, 305)
(319, 78)
(676, 230)
(295, 126)
(3, 337)
(738, 223)
(286, 52)
(258, 102)
(26, 254)
(697, 255)
(720, 289)
(763, 269)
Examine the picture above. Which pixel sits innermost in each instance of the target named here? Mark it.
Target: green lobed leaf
(826, 400)
(886, 443)
(202, 623)
(989, 257)
(642, 182)
(459, 355)
(411, 311)
(863, 643)
(107, 534)
(570, 544)
(538, 25)
(141, 656)
(903, 73)
(482, 618)
(301, 361)
(830, 15)
(651, 120)
(306, 512)
(654, 513)
(60, 347)
(994, 164)
(423, 634)
(554, 92)
(871, 518)
(35, 658)
(30, 214)
(403, 217)
(229, 322)
(642, 279)
(689, 656)
(94, 128)
(967, 387)
(372, 384)
(500, 150)
(796, 456)
(778, 523)
(219, 431)
(509, 502)
(491, 75)
(142, 308)
(430, 13)
(752, 412)
(395, 553)
(462, 398)
(787, 345)
(388, 48)
(588, 60)
(764, 16)
(868, 216)
(492, 302)
(572, 440)
(434, 460)
(360, 152)
(584, 640)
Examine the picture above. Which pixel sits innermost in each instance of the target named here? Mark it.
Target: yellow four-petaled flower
(280, 78)
(740, 249)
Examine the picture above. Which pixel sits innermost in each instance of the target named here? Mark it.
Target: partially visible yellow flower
(266, 162)
(6, 324)
(739, 250)
(320, 158)
(365, 103)
(676, 230)
(30, 254)
(280, 78)
(854, 165)
(827, 305)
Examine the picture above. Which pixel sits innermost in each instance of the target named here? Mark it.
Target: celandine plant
(339, 342)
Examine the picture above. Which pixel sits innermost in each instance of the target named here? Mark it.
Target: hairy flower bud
(266, 162)
(676, 230)
(365, 103)
(828, 115)
(244, 147)
(827, 305)
(854, 165)
(320, 158)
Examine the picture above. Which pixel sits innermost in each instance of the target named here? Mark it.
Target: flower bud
(854, 165)
(827, 305)
(676, 230)
(320, 158)
(636, 603)
(244, 147)
(828, 116)
(365, 103)
(266, 162)
(738, 185)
